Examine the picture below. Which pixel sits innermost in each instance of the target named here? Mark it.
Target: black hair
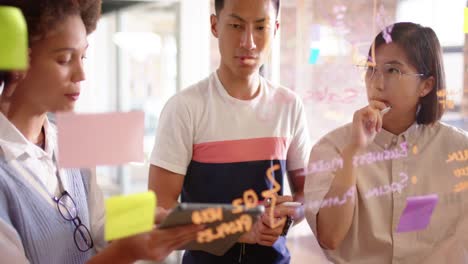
(423, 50)
(219, 4)
(42, 16)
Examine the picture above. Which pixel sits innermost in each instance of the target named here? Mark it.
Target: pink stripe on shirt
(269, 148)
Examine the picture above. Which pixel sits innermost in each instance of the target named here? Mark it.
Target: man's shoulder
(193, 94)
(196, 89)
(282, 94)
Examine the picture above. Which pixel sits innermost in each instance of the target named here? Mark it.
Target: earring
(418, 110)
(17, 76)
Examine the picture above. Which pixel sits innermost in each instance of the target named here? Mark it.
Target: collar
(386, 139)
(223, 92)
(14, 144)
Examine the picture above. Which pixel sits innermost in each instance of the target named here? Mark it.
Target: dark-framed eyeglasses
(390, 72)
(67, 208)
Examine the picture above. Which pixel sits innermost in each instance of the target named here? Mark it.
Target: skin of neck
(399, 124)
(242, 88)
(25, 119)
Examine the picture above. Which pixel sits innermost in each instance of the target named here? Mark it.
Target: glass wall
(341, 32)
(133, 65)
(142, 55)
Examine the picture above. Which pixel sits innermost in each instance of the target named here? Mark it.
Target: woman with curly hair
(47, 214)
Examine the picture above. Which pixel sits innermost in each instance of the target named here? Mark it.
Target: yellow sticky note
(129, 215)
(14, 39)
(466, 20)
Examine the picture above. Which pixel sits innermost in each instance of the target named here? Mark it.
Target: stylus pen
(385, 110)
(267, 202)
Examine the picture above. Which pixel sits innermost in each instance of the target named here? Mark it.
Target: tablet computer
(224, 223)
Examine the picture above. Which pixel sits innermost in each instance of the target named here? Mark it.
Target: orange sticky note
(466, 21)
(89, 140)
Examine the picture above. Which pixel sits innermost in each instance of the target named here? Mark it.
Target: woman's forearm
(115, 253)
(333, 222)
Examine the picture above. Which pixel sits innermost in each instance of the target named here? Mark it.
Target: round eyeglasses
(390, 72)
(69, 212)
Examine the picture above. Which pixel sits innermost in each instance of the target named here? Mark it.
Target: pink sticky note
(417, 213)
(88, 140)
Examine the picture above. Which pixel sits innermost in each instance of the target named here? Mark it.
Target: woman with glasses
(396, 148)
(49, 215)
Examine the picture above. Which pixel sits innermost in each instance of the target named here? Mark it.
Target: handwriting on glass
(333, 201)
(389, 188)
(272, 193)
(250, 201)
(244, 222)
(461, 155)
(208, 215)
(461, 172)
(461, 186)
(450, 104)
(450, 93)
(357, 58)
(368, 158)
(395, 187)
(373, 157)
(368, 60)
(348, 96)
(267, 112)
(458, 156)
(371, 61)
(381, 19)
(250, 198)
(441, 95)
(211, 215)
(446, 103)
(339, 20)
(239, 225)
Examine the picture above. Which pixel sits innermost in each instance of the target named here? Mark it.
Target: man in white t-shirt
(217, 138)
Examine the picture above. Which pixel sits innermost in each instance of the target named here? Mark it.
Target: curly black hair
(42, 16)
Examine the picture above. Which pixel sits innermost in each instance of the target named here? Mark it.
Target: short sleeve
(299, 149)
(174, 137)
(325, 159)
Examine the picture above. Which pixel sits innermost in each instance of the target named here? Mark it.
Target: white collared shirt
(15, 147)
